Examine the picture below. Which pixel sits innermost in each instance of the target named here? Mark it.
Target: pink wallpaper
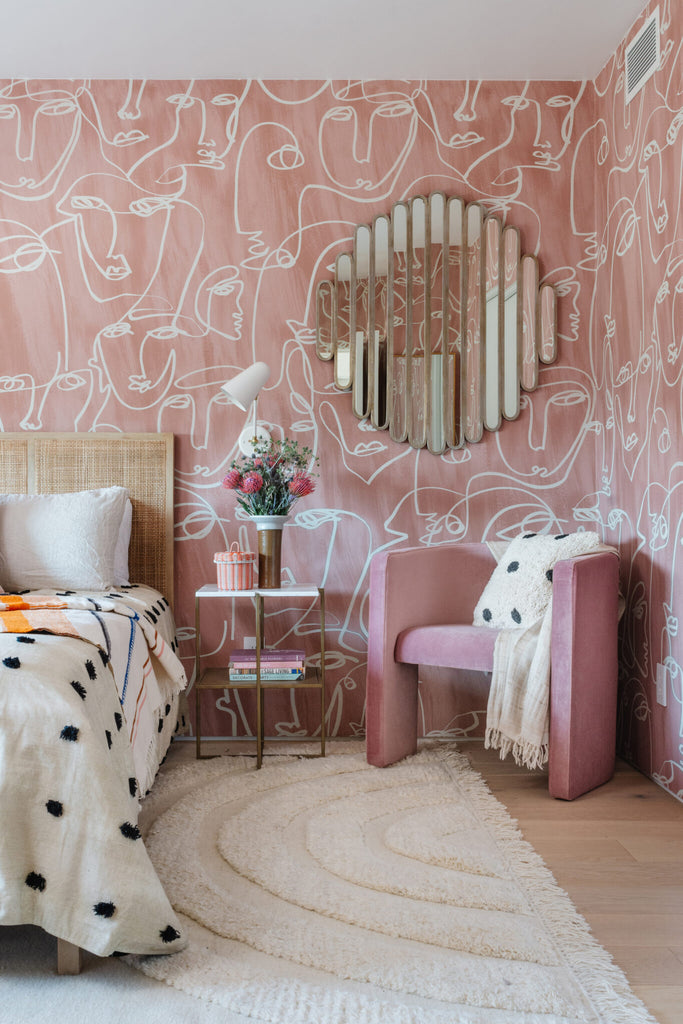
(159, 236)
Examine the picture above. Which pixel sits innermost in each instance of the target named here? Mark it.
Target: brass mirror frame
(435, 321)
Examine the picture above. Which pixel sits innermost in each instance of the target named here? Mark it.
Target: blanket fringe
(525, 753)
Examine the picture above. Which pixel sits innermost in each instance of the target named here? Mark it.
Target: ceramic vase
(269, 535)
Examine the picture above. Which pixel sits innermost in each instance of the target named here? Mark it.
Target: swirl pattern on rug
(325, 891)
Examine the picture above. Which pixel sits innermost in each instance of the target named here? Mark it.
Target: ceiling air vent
(642, 56)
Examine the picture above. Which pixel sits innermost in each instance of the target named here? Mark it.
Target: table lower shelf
(217, 678)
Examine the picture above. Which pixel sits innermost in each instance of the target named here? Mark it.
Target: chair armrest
(583, 688)
(412, 587)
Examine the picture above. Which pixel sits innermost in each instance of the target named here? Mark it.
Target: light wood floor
(617, 852)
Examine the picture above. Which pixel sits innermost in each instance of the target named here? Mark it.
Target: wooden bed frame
(50, 463)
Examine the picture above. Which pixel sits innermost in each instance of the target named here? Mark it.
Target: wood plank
(69, 957)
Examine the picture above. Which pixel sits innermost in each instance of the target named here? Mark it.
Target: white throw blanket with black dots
(517, 600)
(72, 859)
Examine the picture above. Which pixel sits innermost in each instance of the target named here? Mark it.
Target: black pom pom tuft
(11, 663)
(169, 934)
(105, 909)
(80, 689)
(129, 831)
(91, 670)
(26, 639)
(55, 807)
(69, 732)
(35, 881)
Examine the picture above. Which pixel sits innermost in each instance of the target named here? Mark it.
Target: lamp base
(250, 437)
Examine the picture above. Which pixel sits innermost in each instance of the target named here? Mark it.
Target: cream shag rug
(325, 891)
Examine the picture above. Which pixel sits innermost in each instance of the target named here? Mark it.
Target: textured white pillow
(63, 541)
(520, 587)
(121, 570)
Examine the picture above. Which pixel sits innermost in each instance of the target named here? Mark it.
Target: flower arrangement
(272, 478)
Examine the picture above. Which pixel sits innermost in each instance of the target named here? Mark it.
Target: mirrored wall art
(435, 322)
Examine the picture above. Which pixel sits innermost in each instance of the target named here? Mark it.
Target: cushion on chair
(520, 586)
(447, 646)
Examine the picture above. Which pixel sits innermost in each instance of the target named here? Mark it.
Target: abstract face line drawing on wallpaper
(553, 135)
(154, 149)
(378, 150)
(269, 161)
(199, 391)
(218, 304)
(148, 346)
(28, 269)
(505, 508)
(118, 226)
(39, 128)
(545, 454)
(443, 116)
(668, 319)
(366, 459)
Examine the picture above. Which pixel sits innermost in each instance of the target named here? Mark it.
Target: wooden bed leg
(69, 957)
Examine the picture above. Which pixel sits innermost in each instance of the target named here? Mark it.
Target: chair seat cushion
(447, 646)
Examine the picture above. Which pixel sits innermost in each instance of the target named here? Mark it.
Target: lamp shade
(243, 389)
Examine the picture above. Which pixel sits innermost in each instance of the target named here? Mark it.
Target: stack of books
(282, 666)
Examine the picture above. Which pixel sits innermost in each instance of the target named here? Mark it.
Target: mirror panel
(530, 334)
(416, 338)
(512, 324)
(435, 321)
(324, 316)
(344, 314)
(361, 300)
(382, 291)
(454, 377)
(437, 287)
(548, 352)
(398, 391)
(493, 308)
(474, 323)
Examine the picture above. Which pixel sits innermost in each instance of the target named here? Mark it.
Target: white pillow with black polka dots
(520, 587)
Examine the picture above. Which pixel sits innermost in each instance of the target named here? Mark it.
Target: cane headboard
(49, 463)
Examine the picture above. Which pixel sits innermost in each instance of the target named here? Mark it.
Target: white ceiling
(415, 39)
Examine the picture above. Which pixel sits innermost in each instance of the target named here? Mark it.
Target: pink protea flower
(251, 482)
(300, 485)
(232, 480)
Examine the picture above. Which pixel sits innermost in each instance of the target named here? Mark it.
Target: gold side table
(218, 678)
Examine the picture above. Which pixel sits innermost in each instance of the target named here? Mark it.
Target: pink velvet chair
(421, 608)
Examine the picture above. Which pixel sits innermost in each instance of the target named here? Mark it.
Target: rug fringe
(601, 979)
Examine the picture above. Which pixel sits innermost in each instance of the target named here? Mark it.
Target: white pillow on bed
(121, 570)
(63, 541)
